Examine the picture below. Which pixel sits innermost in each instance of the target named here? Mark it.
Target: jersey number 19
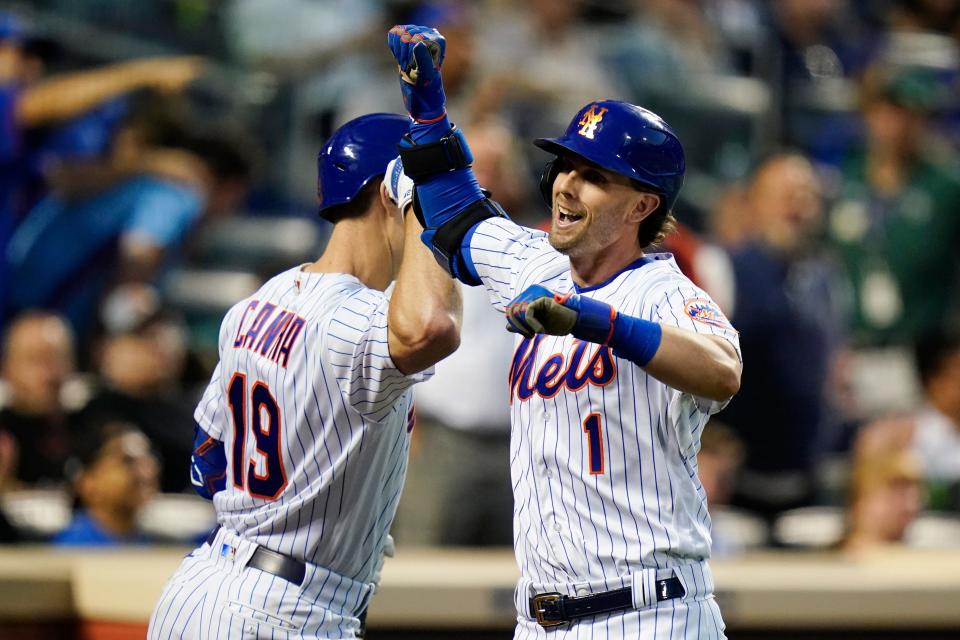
(265, 425)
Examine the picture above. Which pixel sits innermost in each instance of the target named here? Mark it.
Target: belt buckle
(540, 612)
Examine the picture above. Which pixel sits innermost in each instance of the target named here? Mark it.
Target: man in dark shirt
(140, 362)
(783, 307)
(38, 359)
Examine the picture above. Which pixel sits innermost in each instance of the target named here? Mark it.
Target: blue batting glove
(419, 52)
(539, 310)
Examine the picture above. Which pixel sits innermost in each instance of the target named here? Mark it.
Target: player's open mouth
(566, 218)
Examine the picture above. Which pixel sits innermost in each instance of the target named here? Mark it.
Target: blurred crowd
(158, 164)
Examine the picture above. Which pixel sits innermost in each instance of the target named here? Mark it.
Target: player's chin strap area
(422, 162)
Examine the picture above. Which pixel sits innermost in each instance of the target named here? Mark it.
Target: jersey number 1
(595, 438)
(266, 424)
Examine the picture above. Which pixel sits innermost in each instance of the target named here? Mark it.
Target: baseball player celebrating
(619, 362)
(307, 417)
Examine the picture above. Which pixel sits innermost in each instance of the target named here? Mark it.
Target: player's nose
(566, 183)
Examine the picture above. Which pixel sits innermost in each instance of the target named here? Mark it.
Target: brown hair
(655, 228)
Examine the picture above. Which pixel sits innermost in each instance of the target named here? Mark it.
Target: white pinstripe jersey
(314, 415)
(603, 456)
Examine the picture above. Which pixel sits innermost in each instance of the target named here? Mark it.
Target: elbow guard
(208, 465)
(447, 200)
(446, 241)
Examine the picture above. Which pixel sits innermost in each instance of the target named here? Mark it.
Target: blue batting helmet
(623, 138)
(355, 154)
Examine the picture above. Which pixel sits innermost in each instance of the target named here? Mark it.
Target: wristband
(635, 339)
(631, 338)
(594, 318)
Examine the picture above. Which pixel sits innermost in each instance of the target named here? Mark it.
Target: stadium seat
(810, 527)
(261, 244)
(934, 531)
(177, 518)
(37, 513)
(205, 291)
(749, 531)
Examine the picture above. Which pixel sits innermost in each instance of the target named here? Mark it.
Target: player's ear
(645, 204)
(388, 204)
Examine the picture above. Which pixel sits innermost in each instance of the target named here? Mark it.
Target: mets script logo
(705, 311)
(586, 364)
(590, 119)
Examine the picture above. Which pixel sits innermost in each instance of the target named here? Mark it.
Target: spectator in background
(896, 230)
(303, 44)
(814, 44)
(895, 224)
(121, 220)
(140, 361)
(115, 475)
(541, 57)
(886, 492)
(36, 427)
(784, 307)
(664, 49)
(937, 423)
(29, 103)
(498, 164)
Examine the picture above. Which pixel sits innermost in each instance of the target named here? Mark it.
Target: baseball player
(307, 416)
(619, 362)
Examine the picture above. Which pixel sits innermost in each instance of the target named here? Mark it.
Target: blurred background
(158, 162)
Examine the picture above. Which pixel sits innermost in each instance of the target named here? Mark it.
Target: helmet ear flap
(550, 171)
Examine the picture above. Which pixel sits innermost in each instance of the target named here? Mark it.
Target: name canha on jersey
(314, 417)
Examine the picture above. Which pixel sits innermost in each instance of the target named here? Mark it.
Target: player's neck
(598, 267)
(356, 248)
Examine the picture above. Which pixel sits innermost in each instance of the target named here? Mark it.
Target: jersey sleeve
(358, 351)
(684, 305)
(211, 412)
(509, 258)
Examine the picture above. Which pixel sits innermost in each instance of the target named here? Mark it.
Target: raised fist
(419, 53)
(403, 39)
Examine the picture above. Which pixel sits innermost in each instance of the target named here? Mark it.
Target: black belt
(554, 609)
(278, 564)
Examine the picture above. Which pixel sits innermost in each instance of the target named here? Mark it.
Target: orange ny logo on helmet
(590, 119)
